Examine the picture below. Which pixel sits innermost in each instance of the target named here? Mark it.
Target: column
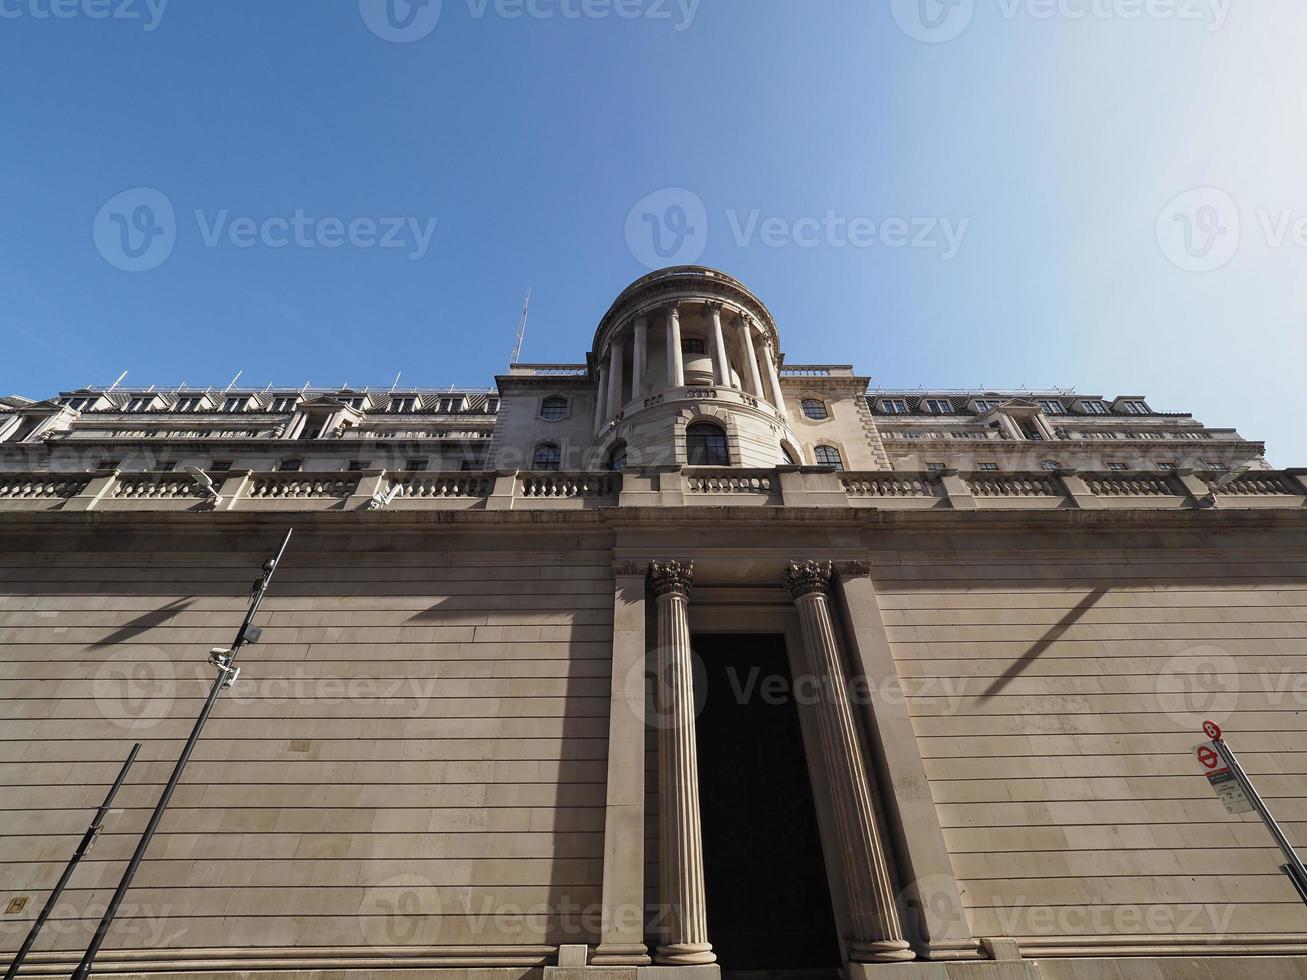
(773, 378)
(933, 914)
(622, 941)
(750, 357)
(680, 858)
(675, 366)
(640, 357)
(601, 392)
(877, 932)
(720, 362)
(615, 379)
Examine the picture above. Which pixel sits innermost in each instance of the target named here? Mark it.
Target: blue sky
(1105, 194)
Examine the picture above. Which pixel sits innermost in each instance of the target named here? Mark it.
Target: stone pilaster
(721, 363)
(877, 931)
(680, 860)
(675, 363)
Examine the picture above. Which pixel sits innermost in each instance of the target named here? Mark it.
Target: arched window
(1052, 465)
(290, 466)
(617, 458)
(705, 445)
(815, 408)
(829, 456)
(547, 457)
(553, 409)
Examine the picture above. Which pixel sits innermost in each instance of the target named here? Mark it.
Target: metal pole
(225, 668)
(1294, 869)
(88, 839)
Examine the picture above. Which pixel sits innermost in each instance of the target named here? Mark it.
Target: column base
(614, 954)
(685, 954)
(889, 951)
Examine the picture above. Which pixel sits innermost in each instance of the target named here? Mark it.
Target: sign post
(1237, 793)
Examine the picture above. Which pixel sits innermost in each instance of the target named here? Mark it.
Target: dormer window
(1134, 408)
(237, 403)
(401, 406)
(358, 402)
(191, 403)
(285, 404)
(492, 406)
(1051, 407)
(451, 405)
(1093, 407)
(894, 406)
(81, 404)
(984, 405)
(142, 403)
(939, 406)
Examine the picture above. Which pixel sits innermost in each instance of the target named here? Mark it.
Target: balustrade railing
(793, 486)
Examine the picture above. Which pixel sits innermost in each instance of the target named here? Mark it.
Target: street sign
(1223, 782)
(1212, 730)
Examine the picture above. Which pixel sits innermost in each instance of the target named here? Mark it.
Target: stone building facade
(680, 661)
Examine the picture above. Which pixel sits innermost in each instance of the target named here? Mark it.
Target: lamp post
(227, 674)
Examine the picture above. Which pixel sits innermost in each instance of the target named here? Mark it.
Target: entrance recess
(769, 904)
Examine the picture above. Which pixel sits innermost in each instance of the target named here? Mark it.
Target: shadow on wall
(1054, 633)
(144, 623)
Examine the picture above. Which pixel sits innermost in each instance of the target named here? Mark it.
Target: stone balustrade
(788, 486)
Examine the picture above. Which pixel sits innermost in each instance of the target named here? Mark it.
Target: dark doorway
(768, 900)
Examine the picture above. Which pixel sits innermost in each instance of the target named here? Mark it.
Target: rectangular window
(139, 404)
(935, 467)
(190, 404)
(1051, 407)
(894, 406)
(985, 405)
(402, 405)
(1166, 467)
(1135, 408)
(988, 467)
(691, 346)
(415, 465)
(1116, 467)
(220, 466)
(1095, 408)
(283, 405)
(492, 406)
(356, 466)
(357, 403)
(939, 406)
(1212, 464)
(235, 404)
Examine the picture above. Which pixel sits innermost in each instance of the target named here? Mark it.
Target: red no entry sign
(1208, 757)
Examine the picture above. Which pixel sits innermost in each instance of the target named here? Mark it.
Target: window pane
(705, 445)
(829, 456)
(554, 409)
(815, 409)
(547, 457)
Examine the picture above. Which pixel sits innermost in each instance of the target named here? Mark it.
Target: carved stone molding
(808, 577)
(629, 568)
(853, 569)
(671, 578)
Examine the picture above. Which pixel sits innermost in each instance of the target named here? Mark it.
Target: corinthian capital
(808, 577)
(671, 578)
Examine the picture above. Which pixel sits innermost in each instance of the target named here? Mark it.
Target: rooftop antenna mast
(118, 382)
(521, 330)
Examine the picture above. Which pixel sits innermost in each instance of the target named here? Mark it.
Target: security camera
(381, 500)
(206, 483)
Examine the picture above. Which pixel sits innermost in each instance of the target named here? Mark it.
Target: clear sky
(977, 193)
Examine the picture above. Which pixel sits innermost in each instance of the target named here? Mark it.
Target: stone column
(623, 895)
(675, 366)
(601, 392)
(639, 356)
(615, 378)
(773, 378)
(750, 357)
(720, 362)
(680, 857)
(877, 933)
